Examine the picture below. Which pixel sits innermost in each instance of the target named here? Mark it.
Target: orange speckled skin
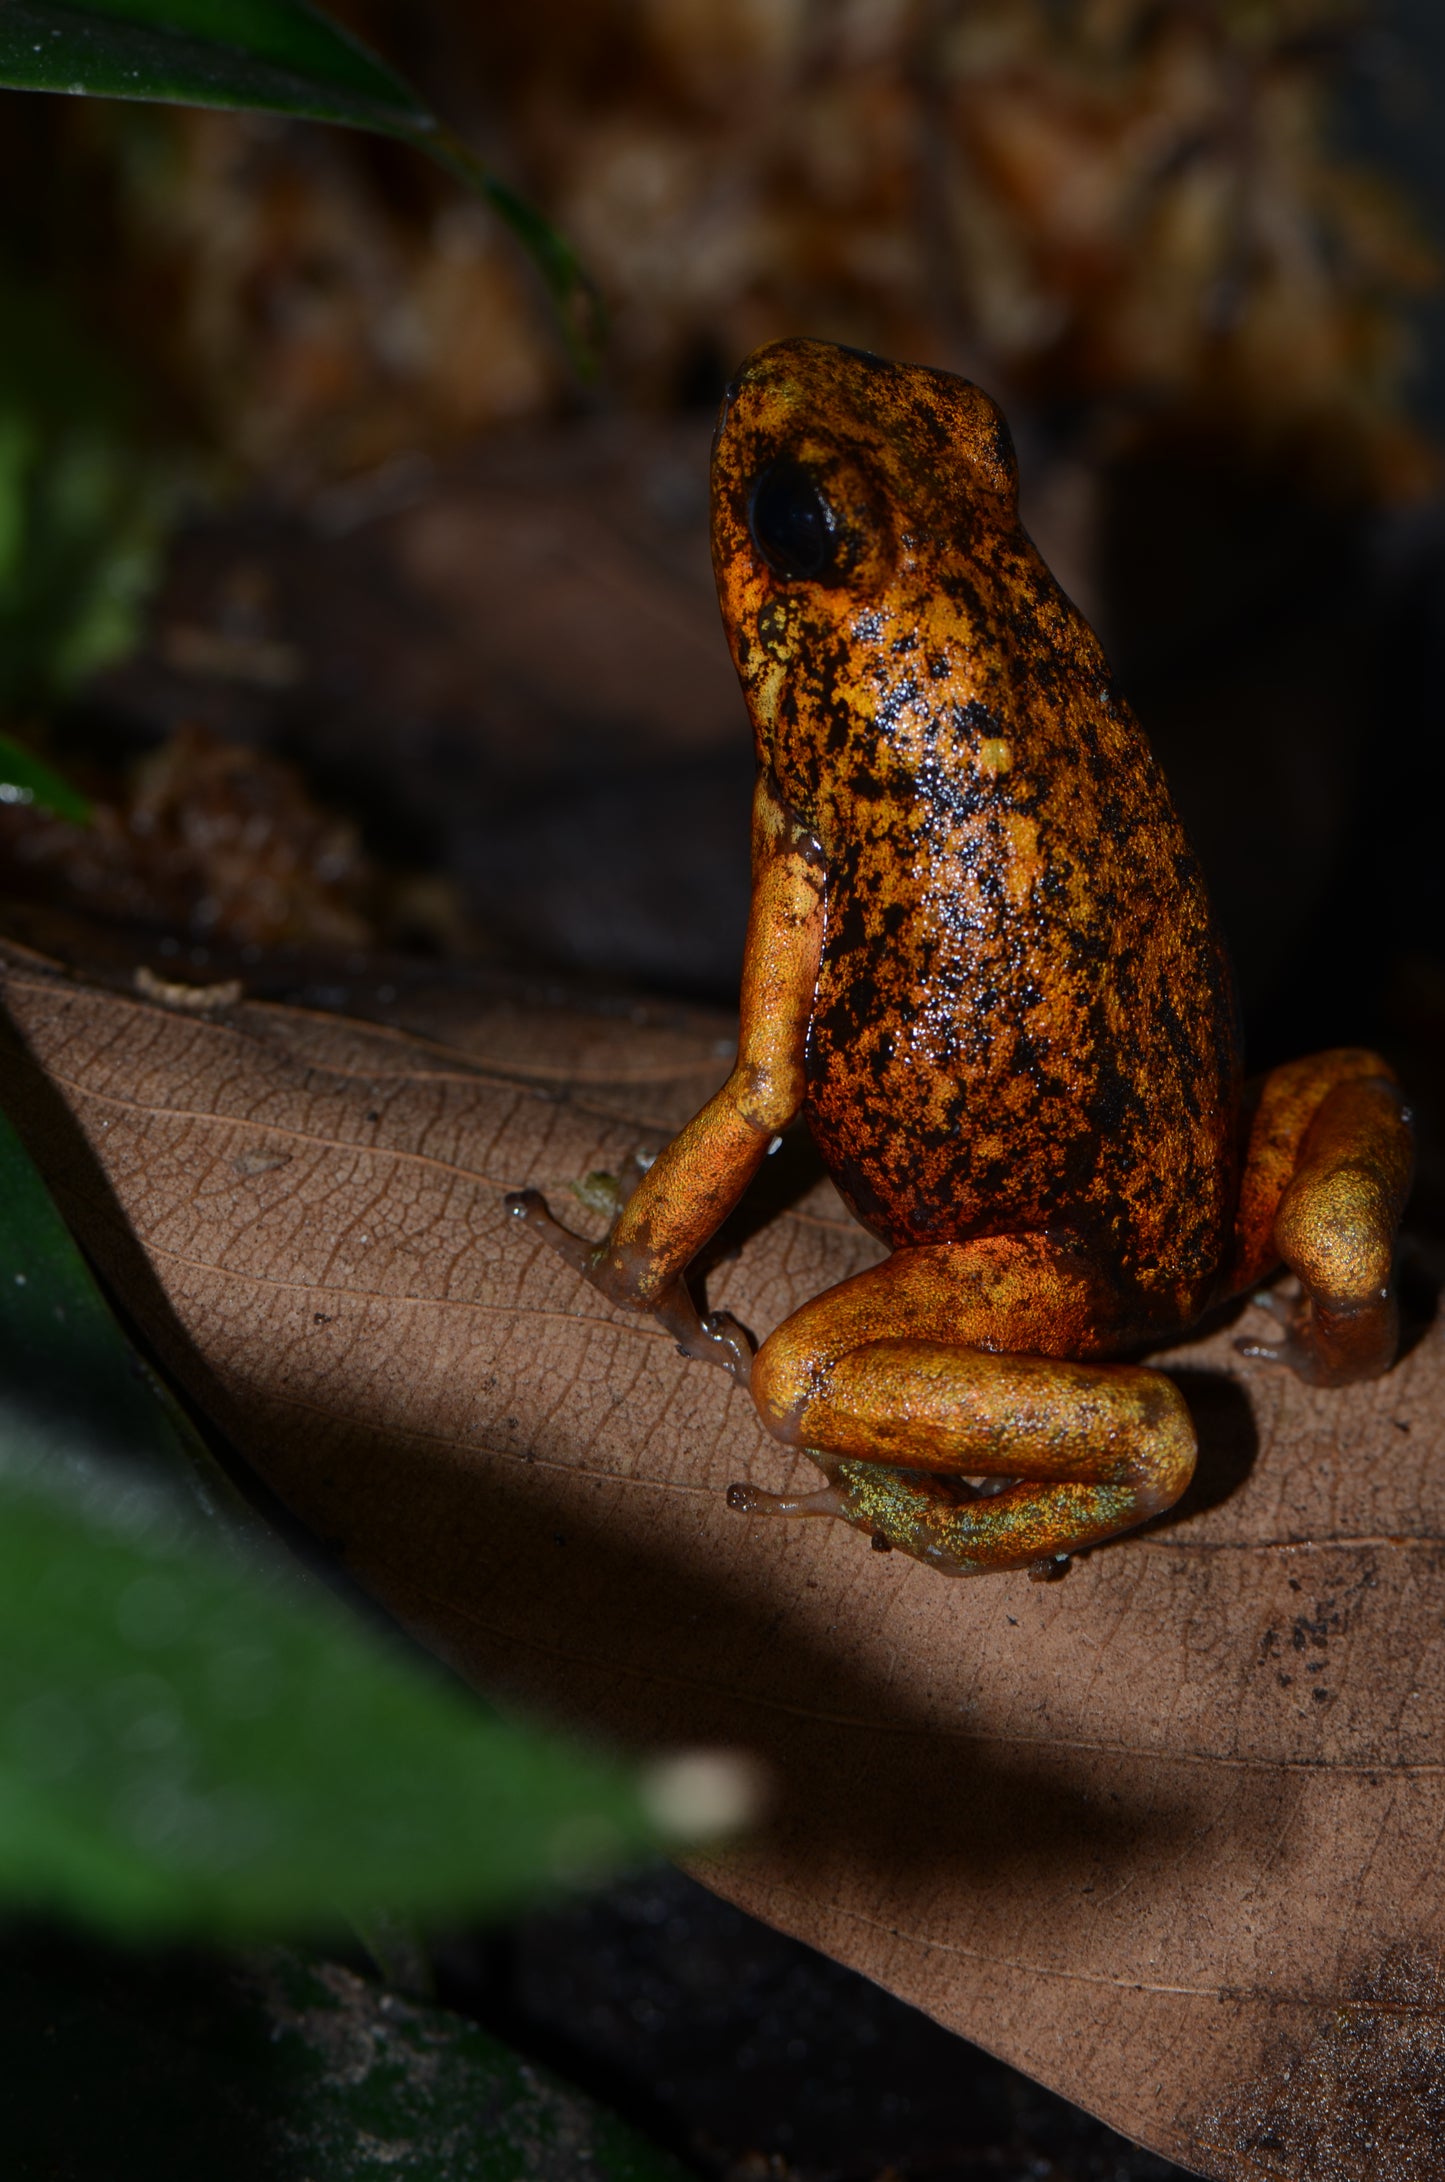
(981, 961)
(1024, 1019)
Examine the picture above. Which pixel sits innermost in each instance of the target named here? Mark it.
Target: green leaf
(23, 779)
(176, 2066)
(185, 1746)
(287, 33)
(190, 1739)
(71, 1385)
(276, 55)
(272, 56)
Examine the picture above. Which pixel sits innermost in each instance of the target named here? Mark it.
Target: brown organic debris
(210, 837)
(1114, 205)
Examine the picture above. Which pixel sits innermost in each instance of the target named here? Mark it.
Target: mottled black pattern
(1024, 1020)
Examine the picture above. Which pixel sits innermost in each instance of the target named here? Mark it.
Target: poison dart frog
(981, 962)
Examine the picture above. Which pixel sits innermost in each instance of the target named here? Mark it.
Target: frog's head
(845, 489)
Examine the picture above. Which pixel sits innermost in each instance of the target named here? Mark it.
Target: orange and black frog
(981, 962)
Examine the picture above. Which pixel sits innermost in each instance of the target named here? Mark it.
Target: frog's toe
(729, 1345)
(871, 1497)
(1282, 1302)
(530, 1207)
(1264, 1352)
(1284, 1305)
(752, 1500)
(715, 1339)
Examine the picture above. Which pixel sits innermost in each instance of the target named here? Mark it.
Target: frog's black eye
(793, 526)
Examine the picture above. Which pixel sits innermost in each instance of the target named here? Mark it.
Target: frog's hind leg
(1325, 1179)
(908, 1379)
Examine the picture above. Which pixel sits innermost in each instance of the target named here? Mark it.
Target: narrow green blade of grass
(193, 1741)
(273, 56)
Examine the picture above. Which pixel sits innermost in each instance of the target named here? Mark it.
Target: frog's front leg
(933, 1368)
(1326, 1176)
(695, 1182)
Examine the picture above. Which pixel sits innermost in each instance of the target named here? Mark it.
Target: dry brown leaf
(1166, 1835)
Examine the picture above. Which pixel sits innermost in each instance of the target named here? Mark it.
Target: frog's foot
(531, 1208)
(1328, 1346)
(907, 1509)
(1283, 1305)
(712, 1338)
(1296, 1344)
(1323, 1189)
(883, 1502)
(950, 1525)
(715, 1338)
(752, 1500)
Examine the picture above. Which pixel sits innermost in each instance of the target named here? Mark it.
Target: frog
(983, 969)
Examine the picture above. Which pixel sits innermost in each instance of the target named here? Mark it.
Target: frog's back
(1023, 1020)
